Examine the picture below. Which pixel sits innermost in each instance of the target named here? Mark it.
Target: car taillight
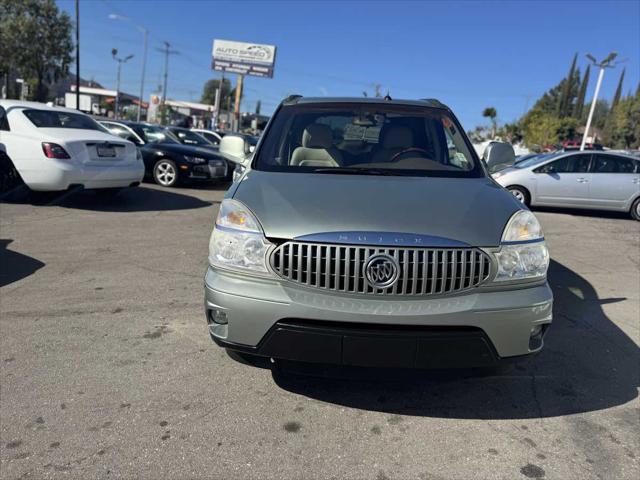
(53, 150)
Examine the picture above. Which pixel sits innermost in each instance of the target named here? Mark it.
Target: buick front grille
(420, 271)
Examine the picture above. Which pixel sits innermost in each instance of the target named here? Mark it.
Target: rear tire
(635, 210)
(165, 173)
(521, 194)
(10, 179)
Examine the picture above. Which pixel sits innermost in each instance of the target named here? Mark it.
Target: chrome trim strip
(523, 242)
(390, 239)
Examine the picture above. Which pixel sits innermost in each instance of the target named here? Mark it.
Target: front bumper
(274, 318)
(214, 170)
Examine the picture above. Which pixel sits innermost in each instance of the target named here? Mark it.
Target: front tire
(521, 194)
(635, 209)
(165, 173)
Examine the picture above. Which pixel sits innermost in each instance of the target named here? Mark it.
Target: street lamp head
(592, 58)
(610, 58)
(114, 52)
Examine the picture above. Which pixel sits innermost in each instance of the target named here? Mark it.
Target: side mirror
(234, 148)
(499, 156)
(133, 139)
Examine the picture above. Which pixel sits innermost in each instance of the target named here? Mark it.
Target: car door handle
(582, 180)
(636, 181)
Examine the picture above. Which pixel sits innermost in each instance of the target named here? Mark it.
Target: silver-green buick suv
(368, 232)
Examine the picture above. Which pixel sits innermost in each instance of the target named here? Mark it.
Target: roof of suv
(299, 100)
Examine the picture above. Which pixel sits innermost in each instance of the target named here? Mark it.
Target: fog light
(536, 330)
(217, 316)
(536, 335)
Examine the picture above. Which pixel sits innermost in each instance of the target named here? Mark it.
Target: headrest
(397, 136)
(317, 135)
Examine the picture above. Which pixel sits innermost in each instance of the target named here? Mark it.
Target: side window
(4, 123)
(569, 164)
(212, 138)
(456, 157)
(614, 164)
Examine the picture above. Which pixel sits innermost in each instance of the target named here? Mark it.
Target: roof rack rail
(291, 99)
(434, 102)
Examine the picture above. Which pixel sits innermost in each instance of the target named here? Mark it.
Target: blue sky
(469, 54)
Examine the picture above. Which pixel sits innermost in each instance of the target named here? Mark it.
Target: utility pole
(114, 53)
(144, 65)
(167, 51)
(236, 108)
(77, 54)
(606, 63)
(145, 32)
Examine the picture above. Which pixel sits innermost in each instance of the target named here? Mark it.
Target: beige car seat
(317, 148)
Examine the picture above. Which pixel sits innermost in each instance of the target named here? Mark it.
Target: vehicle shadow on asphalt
(587, 364)
(15, 266)
(137, 199)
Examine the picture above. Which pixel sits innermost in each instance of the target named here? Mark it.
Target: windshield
(187, 137)
(154, 134)
(366, 139)
(535, 160)
(60, 119)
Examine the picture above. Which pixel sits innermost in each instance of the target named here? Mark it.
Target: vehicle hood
(473, 211)
(183, 150)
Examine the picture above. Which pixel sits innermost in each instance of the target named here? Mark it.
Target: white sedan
(55, 148)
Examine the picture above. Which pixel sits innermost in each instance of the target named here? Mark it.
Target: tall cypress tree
(618, 94)
(564, 104)
(582, 93)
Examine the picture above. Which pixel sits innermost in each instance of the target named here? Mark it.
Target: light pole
(606, 63)
(145, 32)
(114, 53)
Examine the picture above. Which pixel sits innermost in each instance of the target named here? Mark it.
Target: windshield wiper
(359, 171)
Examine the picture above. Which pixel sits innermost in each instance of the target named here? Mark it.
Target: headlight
(237, 241)
(195, 159)
(523, 253)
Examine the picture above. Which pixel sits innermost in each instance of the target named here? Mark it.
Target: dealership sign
(243, 58)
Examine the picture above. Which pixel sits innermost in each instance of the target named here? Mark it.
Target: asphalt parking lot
(107, 371)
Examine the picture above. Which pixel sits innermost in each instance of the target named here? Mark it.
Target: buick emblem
(381, 270)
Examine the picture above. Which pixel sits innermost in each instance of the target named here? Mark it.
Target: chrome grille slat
(423, 271)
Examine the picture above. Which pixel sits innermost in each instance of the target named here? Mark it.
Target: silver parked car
(589, 179)
(368, 232)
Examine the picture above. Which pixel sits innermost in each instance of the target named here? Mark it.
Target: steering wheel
(409, 150)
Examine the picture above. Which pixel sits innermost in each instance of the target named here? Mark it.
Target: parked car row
(598, 180)
(167, 160)
(53, 149)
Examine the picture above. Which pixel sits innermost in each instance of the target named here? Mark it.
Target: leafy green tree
(618, 94)
(511, 132)
(541, 128)
(582, 93)
(226, 92)
(491, 113)
(599, 114)
(35, 43)
(623, 128)
(568, 90)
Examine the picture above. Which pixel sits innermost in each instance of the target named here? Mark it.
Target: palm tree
(491, 113)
